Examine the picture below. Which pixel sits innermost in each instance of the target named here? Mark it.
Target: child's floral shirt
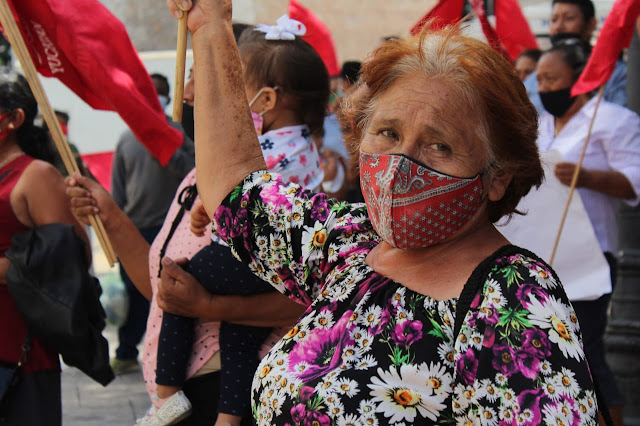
(369, 351)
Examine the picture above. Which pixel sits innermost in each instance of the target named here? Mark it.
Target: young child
(288, 88)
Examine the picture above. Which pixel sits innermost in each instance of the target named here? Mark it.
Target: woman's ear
(498, 183)
(16, 119)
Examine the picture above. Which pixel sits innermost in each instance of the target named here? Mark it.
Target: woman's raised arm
(227, 149)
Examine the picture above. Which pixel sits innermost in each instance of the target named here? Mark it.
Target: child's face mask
(258, 120)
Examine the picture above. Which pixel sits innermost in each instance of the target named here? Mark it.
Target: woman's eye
(439, 147)
(389, 134)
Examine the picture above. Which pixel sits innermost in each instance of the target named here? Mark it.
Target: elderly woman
(420, 312)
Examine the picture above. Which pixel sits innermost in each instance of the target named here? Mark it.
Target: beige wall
(356, 25)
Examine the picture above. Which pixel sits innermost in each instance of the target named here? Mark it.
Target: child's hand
(199, 220)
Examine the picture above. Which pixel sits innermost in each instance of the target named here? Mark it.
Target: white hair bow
(285, 29)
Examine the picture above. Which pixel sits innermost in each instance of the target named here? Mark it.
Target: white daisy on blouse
(333, 253)
(438, 379)
(348, 420)
(367, 408)
(551, 389)
(506, 413)
(347, 387)
(488, 416)
(313, 240)
(324, 319)
(554, 415)
(591, 402)
(445, 352)
(401, 395)
(501, 379)
(430, 303)
(367, 361)
(336, 408)
(545, 367)
(555, 316)
(469, 418)
(508, 397)
(543, 276)
(277, 400)
(397, 300)
(492, 393)
(476, 340)
(351, 354)
(371, 316)
(566, 382)
(403, 314)
(465, 396)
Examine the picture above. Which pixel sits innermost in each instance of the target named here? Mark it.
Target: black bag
(10, 372)
(50, 284)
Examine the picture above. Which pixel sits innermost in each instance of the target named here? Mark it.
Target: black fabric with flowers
(369, 351)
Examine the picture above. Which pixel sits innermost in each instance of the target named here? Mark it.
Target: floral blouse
(369, 351)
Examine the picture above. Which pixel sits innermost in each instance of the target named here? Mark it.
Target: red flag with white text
(318, 36)
(88, 49)
(445, 12)
(615, 35)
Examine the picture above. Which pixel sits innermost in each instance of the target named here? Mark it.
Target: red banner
(318, 36)
(445, 12)
(83, 45)
(100, 165)
(513, 28)
(615, 35)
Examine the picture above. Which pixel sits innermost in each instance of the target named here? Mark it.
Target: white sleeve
(623, 150)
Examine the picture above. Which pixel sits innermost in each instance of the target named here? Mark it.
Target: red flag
(487, 29)
(318, 36)
(513, 28)
(100, 165)
(445, 12)
(615, 35)
(87, 48)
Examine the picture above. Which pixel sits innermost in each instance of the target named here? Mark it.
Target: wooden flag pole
(31, 74)
(574, 179)
(181, 59)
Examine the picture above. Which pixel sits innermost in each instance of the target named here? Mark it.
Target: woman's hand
(179, 292)
(564, 172)
(608, 182)
(199, 220)
(88, 198)
(202, 13)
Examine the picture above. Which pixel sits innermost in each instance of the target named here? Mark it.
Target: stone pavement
(87, 403)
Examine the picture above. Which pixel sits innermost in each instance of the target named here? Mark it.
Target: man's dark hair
(62, 114)
(351, 71)
(586, 7)
(164, 83)
(532, 54)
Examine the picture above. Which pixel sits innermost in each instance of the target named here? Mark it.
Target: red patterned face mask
(413, 206)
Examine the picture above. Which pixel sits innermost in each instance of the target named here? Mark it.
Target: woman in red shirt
(32, 194)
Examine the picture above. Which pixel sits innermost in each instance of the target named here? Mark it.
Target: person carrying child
(288, 88)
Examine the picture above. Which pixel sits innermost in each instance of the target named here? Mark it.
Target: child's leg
(239, 347)
(174, 348)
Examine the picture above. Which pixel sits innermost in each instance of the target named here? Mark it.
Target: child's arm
(199, 220)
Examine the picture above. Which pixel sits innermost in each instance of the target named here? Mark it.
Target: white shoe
(175, 409)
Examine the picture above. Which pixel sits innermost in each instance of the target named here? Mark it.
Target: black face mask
(187, 120)
(557, 102)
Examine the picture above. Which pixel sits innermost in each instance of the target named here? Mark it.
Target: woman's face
(553, 73)
(525, 66)
(428, 121)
